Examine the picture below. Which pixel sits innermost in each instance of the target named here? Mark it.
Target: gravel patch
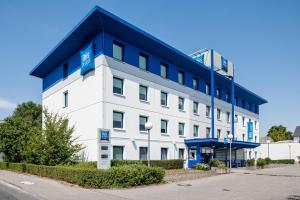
(186, 174)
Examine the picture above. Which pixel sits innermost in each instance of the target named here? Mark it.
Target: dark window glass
(117, 119)
(118, 152)
(65, 70)
(195, 107)
(118, 51)
(164, 126)
(181, 154)
(195, 130)
(228, 97)
(143, 153)
(181, 78)
(164, 153)
(207, 89)
(143, 92)
(66, 98)
(143, 120)
(181, 103)
(164, 99)
(180, 128)
(218, 93)
(117, 86)
(195, 84)
(163, 70)
(143, 61)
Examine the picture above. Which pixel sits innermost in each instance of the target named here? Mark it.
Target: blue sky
(262, 38)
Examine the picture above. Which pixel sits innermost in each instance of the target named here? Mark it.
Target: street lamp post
(148, 127)
(230, 136)
(268, 142)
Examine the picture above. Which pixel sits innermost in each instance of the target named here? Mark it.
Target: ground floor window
(164, 153)
(143, 153)
(181, 154)
(118, 152)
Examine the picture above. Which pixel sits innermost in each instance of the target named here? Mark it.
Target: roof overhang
(214, 143)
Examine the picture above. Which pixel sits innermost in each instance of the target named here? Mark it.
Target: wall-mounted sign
(250, 130)
(104, 135)
(87, 60)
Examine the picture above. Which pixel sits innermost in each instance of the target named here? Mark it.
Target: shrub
(250, 162)
(202, 166)
(166, 164)
(84, 165)
(268, 161)
(283, 161)
(261, 163)
(217, 163)
(122, 176)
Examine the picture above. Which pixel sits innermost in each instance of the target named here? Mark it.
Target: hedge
(122, 176)
(250, 162)
(283, 161)
(166, 164)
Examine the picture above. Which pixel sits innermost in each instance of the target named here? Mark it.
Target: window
(118, 152)
(180, 128)
(66, 99)
(143, 153)
(195, 84)
(207, 89)
(117, 86)
(219, 133)
(195, 107)
(181, 154)
(218, 93)
(250, 106)
(118, 119)
(65, 70)
(118, 51)
(208, 111)
(181, 103)
(163, 70)
(255, 139)
(207, 132)
(228, 133)
(164, 126)
(143, 120)
(255, 125)
(181, 78)
(243, 103)
(236, 118)
(164, 99)
(228, 97)
(243, 136)
(218, 114)
(228, 117)
(243, 121)
(196, 131)
(164, 153)
(236, 101)
(143, 61)
(143, 93)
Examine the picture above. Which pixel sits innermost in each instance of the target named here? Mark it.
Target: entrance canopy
(215, 143)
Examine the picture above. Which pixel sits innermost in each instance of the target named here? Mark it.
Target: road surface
(276, 183)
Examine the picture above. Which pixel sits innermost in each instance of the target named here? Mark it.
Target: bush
(122, 176)
(250, 162)
(201, 166)
(83, 165)
(283, 161)
(261, 162)
(217, 163)
(166, 164)
(268, 161)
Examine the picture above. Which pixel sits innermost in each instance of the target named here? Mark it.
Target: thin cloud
(4, 104)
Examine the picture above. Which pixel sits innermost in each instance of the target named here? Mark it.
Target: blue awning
(215, 143)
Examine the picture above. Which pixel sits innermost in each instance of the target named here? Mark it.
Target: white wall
(278, 151)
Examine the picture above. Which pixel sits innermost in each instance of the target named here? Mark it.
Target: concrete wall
(285, 150)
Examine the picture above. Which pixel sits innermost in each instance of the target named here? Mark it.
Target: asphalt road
(277, 183)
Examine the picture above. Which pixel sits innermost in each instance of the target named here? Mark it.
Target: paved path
(274, 183)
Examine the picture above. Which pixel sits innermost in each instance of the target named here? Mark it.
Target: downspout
(212, 93)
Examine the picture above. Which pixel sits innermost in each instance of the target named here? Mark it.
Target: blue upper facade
(102, 29)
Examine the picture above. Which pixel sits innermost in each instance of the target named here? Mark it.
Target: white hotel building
(110, 77)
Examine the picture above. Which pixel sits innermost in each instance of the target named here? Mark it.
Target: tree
(59, 146)
(16, 130)
(22, 138)
(279, 133)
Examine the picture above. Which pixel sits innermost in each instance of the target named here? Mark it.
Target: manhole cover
(27, 182)
(184, 184)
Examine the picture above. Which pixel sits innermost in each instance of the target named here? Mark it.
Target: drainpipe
(212, 79)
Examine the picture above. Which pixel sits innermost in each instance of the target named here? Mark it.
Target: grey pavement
(273, 183)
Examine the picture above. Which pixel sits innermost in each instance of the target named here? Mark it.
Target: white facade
(91, 103)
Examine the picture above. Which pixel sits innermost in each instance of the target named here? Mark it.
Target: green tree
(279, 133)
(16, 130)
(59, 146)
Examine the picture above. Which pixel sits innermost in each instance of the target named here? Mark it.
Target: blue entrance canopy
(215, 143)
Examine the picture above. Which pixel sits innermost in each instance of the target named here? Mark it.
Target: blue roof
(99, 20)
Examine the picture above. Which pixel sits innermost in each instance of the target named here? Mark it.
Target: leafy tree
(16, 130)
(59, 146)
(279, 133)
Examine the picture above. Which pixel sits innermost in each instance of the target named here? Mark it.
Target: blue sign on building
(250, 130)
(224, 64)
(104, 135)
(87, 60)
